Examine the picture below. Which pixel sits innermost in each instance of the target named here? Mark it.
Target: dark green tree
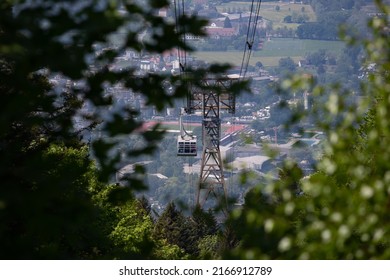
(259, 64)
(287, 64)
(129, 226)
(176, 229)
(46, 210)
(317, 58)
(288, 19)
(210, 239)
(227, 23)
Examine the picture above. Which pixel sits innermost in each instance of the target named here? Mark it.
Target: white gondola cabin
(186, 141)
(186, 146)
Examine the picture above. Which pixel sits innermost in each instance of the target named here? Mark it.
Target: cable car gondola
(186, 142)
(186, 147)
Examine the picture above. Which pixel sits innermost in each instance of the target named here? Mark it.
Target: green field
(268, 10)
(273, 50)
(296, 47)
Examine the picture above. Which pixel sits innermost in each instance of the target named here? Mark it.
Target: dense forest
(56, 201)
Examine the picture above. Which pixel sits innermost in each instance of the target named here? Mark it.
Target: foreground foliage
(343, 212)
(49, 182)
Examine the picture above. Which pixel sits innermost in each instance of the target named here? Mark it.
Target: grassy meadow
(273, 50)
(269, 12)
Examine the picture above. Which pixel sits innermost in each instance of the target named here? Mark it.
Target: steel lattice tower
(210, 97)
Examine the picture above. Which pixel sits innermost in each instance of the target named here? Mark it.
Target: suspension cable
(184, 40)
(182, 57)
(181, 53)
(250, 36)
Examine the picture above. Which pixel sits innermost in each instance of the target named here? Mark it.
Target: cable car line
(186, 141)
(181, 53)
(250, 36)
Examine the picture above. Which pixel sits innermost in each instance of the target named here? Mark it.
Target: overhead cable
(250, 36)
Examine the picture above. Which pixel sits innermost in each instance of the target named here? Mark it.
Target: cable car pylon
(210, 98)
